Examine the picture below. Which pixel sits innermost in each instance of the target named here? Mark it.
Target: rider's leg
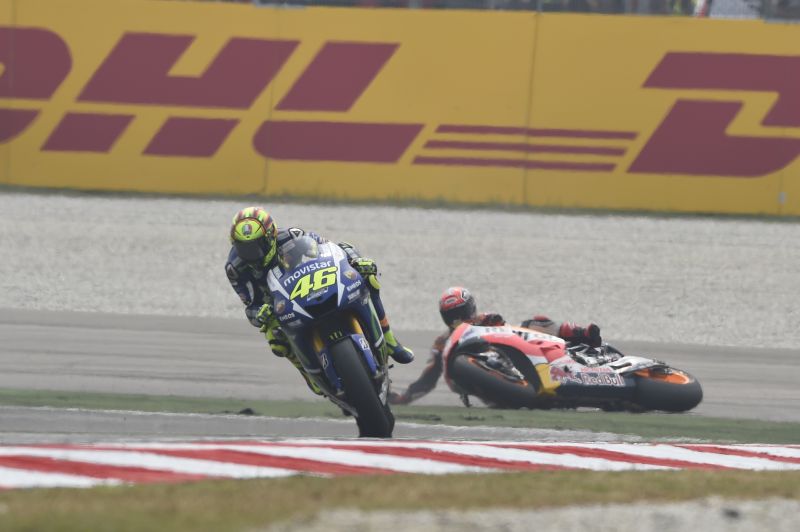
(567, 330)
(311, 384)
(394, 349)
(369, 271)
(281, 347)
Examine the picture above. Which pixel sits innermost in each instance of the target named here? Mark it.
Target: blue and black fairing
(319, 300)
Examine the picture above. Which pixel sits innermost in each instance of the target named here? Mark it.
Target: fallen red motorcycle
(515, 367)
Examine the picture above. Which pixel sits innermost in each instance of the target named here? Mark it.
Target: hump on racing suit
(250, 280)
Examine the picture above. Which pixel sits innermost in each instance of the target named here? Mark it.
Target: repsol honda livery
(515, 367)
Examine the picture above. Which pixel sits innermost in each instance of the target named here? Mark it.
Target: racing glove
(266, 317)
(399, 398)
(275, 336)
(365, 267)
(368, 270)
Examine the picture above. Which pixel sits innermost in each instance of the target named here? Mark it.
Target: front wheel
(375, 420)
(494, 386)
(667, 389)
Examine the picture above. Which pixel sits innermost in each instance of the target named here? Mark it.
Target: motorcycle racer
(255, 245)
(456, 306)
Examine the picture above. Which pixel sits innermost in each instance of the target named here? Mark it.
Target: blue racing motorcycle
(324, 307)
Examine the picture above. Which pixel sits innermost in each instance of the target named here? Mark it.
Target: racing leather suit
(249, 281)
(427, 381)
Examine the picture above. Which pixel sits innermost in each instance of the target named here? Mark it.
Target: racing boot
(369, 271)
(589, 335)
(393, 348)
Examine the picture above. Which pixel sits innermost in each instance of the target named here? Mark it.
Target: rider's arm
(429, 377)
(245, 286)
(364, 266)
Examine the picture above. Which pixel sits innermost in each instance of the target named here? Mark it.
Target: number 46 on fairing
(321, 279)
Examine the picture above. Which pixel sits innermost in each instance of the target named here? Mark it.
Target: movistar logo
(308, 268)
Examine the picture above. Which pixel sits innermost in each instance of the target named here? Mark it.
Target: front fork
(376, 362)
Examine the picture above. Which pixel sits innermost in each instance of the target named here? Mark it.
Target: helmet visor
(252, 250)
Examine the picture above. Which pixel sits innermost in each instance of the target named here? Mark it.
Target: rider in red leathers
(457, 305)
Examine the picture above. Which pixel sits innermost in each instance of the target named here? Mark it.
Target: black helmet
(457, 304)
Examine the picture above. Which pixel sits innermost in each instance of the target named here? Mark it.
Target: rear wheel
(667, 389)
(375, 419)
(495, 387)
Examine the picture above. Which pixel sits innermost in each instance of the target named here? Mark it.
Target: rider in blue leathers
(255, 241)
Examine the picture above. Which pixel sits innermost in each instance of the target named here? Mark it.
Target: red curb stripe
(523, 147)
(452, 458)
(740, 452)
(305, 465)
(536, 132)
(615, 456)
(512, 163)
(86, 469)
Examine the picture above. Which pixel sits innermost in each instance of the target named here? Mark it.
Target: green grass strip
(254, 504)
(651, 426)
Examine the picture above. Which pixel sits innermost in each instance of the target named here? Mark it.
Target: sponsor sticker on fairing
(305, 270)
(602, 379)
(564, 375)
(288, 316)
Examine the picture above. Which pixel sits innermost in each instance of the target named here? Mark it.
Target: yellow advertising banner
(698, 115)
(555, 110)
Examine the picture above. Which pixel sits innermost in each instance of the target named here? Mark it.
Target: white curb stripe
(145, 456)
(20, 478)
(511, 455)
(401, 464)
(149, 461)
(671, 452)
(783, 452)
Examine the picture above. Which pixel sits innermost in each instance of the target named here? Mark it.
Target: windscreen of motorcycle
(309, 273)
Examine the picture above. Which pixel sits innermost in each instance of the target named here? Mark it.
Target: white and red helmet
(457, 304)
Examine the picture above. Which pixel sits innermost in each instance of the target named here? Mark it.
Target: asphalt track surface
(211, 357)
(128, 295)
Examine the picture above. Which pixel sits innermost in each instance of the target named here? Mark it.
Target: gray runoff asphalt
(703, 281)
(128, 294)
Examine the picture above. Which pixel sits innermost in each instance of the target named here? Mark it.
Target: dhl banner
(559, 110)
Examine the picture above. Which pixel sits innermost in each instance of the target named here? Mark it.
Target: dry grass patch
(241, 505)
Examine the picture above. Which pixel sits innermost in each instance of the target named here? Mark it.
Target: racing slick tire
(374, 419)
(667, 389)
(492, 387)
